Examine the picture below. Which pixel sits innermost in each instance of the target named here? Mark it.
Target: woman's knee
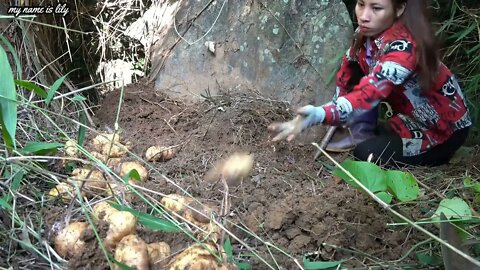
(380, 148)
(361, 151)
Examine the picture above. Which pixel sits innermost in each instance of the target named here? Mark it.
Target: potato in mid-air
(233, 169)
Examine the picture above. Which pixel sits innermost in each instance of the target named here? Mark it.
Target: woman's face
(374, 16)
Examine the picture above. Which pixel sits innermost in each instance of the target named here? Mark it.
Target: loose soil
(290, 200)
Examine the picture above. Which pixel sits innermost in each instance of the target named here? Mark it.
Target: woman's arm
(393, 68)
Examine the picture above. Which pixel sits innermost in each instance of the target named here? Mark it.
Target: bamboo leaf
(40, 147)
(5, 205)
(149, 221)
(82, 130)
(55, 87)
(8, 100)
(19, 173)
(465, 32)
(318, 265)
(15, 56)
(32, 87)
(78, 98)
(227, 246)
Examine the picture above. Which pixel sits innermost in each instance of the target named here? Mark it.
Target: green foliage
(458, 30)
(40, 148)
(8, 101)
(429, 259)
(17, 173)
(318, 265)
(55, 86)
(133, 174)
(227, 246)
(32, 87)
(82, 130)
(453, 208)
(386, 184)
(149, 221)
(473, 185)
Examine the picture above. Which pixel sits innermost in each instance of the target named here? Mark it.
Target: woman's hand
(307, 116)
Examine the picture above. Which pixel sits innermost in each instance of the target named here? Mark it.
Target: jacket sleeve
(395, 66)
(344, 75)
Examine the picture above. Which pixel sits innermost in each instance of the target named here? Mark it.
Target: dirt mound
(290, 201)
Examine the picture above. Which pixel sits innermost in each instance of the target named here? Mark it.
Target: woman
(395, 48)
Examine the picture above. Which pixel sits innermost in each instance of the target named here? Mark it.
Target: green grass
(458, 28)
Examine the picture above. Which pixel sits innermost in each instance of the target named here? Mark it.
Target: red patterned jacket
(422, 121)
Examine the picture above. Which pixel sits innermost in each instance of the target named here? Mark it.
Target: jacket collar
(378, 41)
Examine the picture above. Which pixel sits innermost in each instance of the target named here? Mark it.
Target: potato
(133, 252)
(104, 138)
(175, 202)
(192, 255)
(67, 242)
(196, 257)
(93, 180)
(210, 232)
(126, 167)
(159, 153)
(116, 150)
(103, 210)
(202, 216)
(158, 254)
(65, 191)
(233, 169)
(121, 223)
(71, 149)
(112, 162)
(120, 190)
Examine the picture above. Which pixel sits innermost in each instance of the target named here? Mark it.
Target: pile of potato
(121, 238)
(108, 149)
(128, 248)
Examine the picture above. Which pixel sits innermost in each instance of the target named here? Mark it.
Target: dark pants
(387, 149)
